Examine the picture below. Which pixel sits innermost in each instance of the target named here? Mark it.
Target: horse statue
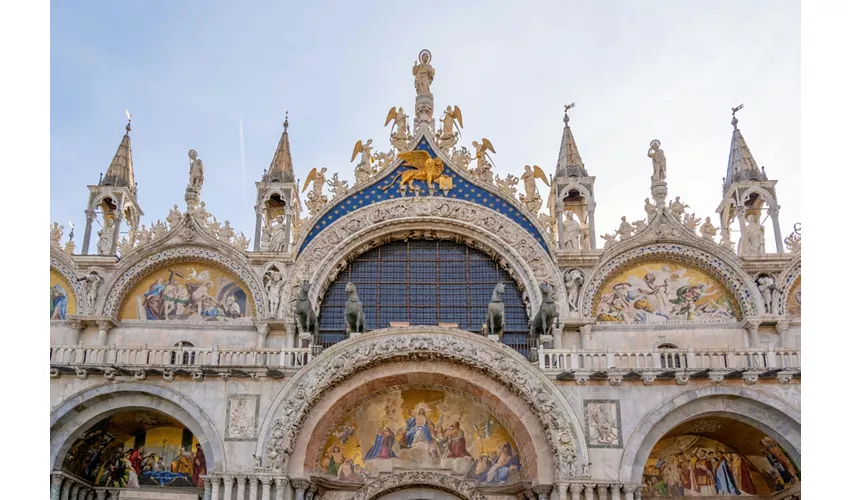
(543, 320)
(305, 316)
(354, 317)
(496, 312)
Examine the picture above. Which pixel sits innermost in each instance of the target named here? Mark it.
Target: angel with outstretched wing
(365, 151)
(528, 179)
(318, 179)
(450, 117)
(481, 155)
(399, 120)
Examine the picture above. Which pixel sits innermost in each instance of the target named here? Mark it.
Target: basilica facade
(430, 331)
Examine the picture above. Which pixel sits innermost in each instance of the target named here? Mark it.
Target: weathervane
(568, 107)
(129, 118)
(734, 119)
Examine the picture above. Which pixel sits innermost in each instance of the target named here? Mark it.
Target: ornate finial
(568, 107)
(734, 119)
(286, 121)
(129, 119)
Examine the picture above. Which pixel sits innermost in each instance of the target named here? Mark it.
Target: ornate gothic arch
(776, 418)
(71, 418)
(64, 266)
(786, 281)
(450, 218)
(186, 241)
(413, 479)
(666, 237)
(282, 426)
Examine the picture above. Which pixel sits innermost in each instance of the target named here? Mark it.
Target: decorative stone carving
(639, 225)
(274, 281)
(648, 378)
(649, 208)
(691, 222)
(226, 233)
(277, 233)
(92, 282)
(461, 158)
(507, 186)
(384, 160)
(768, 289)
(610, 239)
(603, 423)
(242, 417)
(677, 208)
(174, 217)
(305, 315)
(241, 242)
(753, 238)
(625, 230)
(793, 241)
(659, 162)
(200, 214)
(106, 235)
(707, 230)
(56, 234)
(463, 489)
(573, 280)
(572, 233)
(498, 361)
(144, 236)
(484, 169)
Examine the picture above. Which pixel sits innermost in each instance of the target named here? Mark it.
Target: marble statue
(659, 162)
(625, 230)
(213, 227)
(639, 225)
(338, 186)
(495, 324)
(201, 215)
(399, 130)
(447, 135)
(196, 171)
(174, 217)
(573, 280)
(124, 246)
(277, 242)
(226, 233)
(610, 239)
(461, 157)
(91, 282)
(528, 179)
(354, 316)
(754, 234)
(423, 74)
(144, 236)
(572, 233)
(549, 222)
(793, 242)
(318, 179)
(274, 285)
(383, 161)
(483, 169)
(691, 222)
(158, 230)
(305, 315)
(507, 186)
(56, 234)
(677, 208)
(365, 151)
(241, 242)
(107, 234)
(768, 289)
(69, 247)
(707, 230)
(649, 208)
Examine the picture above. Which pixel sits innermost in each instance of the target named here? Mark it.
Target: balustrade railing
(179, 357)
(559, 360)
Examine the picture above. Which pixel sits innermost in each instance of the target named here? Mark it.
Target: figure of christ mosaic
(420, 429)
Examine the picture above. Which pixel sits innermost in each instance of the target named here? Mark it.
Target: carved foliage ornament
(688, 255)
(410, 479)
(343, 360)
(139, 270)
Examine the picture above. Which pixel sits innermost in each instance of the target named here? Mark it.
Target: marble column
(784, 331)
(56, 485)
(615, 492)
(602, 491)
(101, 494)
(208, 488)
(741, 214)
(280, 487)
(777, 235)
(252, 494)
(267, 487)
(300, 486)
(216, 483)
(588, 491)
(116, 230)
(240, 487)
(591, 209)
(562, 491)
(287, 229)
(72, 491)
(228, 486)
(87, 234)
(575, 491)
(257, 234)
(559, 213)
(262, 335)
(629, 490)
(542, 491)
(585, 336)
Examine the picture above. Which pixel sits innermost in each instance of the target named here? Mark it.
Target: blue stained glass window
(424, 283)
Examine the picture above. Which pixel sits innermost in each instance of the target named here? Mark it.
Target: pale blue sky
(189, 71)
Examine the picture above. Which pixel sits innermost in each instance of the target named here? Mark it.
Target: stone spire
(120, 172)
(569, 160)
(281, 169)
(742, 166)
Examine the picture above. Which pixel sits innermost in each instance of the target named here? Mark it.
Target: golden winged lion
(425, 169)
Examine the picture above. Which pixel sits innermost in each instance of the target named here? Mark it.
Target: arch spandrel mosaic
(664, 291)
(62, 300)
(420, 429)
(188, 291)
(795, 298)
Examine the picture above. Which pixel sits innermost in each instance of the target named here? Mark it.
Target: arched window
(671, 358)
(188, 357)
(418, 282)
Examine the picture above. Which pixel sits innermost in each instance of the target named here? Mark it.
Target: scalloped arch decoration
(129, 278)
(713, 266)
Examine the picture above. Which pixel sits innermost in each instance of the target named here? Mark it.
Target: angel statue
(364, 169)
(423, 73)
(401, 134)
(447, 136)
(318, 178)
(196, 171)
(528, 177)
(483, 168)
(425, 169)
(659, 162)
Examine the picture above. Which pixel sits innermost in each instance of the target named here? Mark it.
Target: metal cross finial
(286, 121)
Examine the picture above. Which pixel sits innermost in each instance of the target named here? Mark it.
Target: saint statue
(276, 241)
(708, 230)
(659, 162)
(625, 230)
(572, 233)
(423, 74)
(196, 171)
(104, 244)
(755, 236)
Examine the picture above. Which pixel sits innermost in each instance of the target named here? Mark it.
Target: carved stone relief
(243, 414)
(604, 429)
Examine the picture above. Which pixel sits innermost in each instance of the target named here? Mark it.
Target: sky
(190, 72)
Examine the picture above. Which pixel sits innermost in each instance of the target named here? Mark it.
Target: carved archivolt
(731, 276)
(786, 281)
(413, 479)
(125, 279)
(420, 343)
(472, 224)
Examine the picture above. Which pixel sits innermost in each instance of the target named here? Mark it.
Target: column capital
(588, 488)
(281, 481)
(265, 480)
(773, 211)
(542, 489)
(300, 483)
(240, 478)
(576, 487)
(630, 488)
(783, 325)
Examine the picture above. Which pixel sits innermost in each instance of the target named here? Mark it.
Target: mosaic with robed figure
(659, 292)
(421, 429)
(62, 300)
(188, 291)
